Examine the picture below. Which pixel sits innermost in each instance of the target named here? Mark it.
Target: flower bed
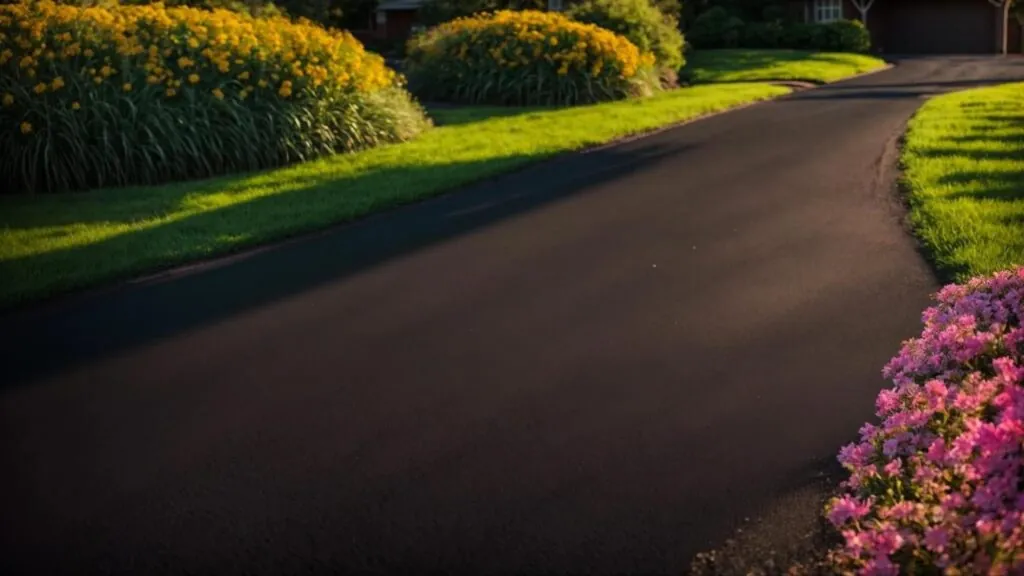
(940, 482)
(526, 58)
(124, 94)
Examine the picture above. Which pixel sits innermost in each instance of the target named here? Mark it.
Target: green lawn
(50, 244)
(707, 66)
(964, 171)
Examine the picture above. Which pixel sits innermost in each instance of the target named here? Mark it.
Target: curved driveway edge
(601, 365)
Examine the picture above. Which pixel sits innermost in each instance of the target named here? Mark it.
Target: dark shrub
(797, 36)
(841, 36)
(639, 21)
(715, 28)
(762, 35)
(849, 36)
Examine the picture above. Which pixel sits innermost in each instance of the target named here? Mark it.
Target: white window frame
(556, 5)
(825, 11)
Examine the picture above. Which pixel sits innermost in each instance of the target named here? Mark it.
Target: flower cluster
(48, 47)
(177, 63)
(939, 483)
(536, 57)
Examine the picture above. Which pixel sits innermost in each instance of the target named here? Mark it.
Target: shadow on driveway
(51, 337)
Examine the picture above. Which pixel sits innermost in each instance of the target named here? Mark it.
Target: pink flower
(936, 392)
(847, 508)
(950, 445)
(893, 468)
(888, 400)
(880, 566)
(937, 451)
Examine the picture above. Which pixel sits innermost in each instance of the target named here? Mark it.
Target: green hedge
(717, 28)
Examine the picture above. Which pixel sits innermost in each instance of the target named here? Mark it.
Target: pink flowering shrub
(939, 483)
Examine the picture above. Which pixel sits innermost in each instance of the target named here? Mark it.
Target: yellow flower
(88, 53)
(243, 76)
(106, 71)
(152, 80)
(127, 87)
(193, 78)
(262, 83)
(57, 83)
(185, 62)
(218, 94)
(75, 105)
(40, 88)
(8, 99)
(26, 128)
(171, 92)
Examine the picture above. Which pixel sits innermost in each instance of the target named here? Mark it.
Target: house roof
(389, 5)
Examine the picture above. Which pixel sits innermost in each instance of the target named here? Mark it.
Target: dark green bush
(762, 35)
(715, 28)
(641, 22)
(849, 36)
(800, 36)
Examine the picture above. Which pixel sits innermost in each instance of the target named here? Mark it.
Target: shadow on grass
(44, 339)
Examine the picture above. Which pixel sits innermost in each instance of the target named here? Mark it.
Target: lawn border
(889, 65)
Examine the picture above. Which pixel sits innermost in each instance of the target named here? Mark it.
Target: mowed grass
(708, 66)
(51, 244)
(963, 166)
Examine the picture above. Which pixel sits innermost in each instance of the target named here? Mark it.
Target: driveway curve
(601, 364)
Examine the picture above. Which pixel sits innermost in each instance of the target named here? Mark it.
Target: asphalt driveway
(598, 365)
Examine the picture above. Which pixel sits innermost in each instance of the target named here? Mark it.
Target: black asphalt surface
(601, 364)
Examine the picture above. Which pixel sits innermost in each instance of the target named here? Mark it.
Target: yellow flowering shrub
(525, 58)
(122, 94)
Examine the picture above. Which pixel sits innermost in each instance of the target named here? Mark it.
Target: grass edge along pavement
(738, 65)
(50, 244)
(963, 177)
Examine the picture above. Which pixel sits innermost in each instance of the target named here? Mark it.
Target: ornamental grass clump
(939, 483)
(115, 95)
(526, 58)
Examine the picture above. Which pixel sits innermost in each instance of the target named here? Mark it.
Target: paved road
(602, 364)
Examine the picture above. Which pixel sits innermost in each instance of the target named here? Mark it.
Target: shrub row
(716, 28)
(526, 58)
(118, 95)
(937, 486)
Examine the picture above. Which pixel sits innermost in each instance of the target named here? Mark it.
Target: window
(827, 11)
(555, 5)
